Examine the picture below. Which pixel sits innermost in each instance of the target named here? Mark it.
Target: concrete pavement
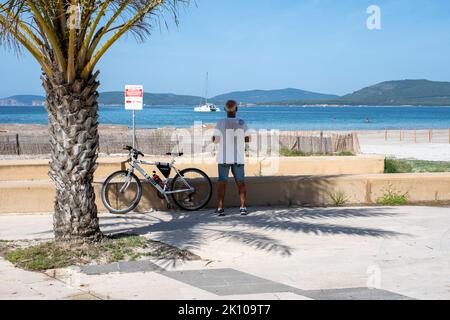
(275, 253)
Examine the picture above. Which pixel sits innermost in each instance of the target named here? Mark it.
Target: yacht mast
(206, 88)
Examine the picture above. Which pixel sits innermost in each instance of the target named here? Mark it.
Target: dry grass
(51, 255)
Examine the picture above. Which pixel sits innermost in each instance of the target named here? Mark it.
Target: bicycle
(190, 189)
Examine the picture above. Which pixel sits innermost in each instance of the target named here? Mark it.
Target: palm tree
(68, 38)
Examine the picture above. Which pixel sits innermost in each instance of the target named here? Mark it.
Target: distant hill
(23, 100)
(402, 92)
(117, 98)
(389, 93)
(261, 96)
(252, 96)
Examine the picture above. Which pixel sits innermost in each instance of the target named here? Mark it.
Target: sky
(316, 45)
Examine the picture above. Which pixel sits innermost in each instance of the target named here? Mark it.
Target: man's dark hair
(231, 104)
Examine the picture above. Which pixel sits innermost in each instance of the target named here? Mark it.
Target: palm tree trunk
(73, 128)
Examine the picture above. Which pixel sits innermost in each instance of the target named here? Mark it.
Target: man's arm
(216, 134)
(247, 136)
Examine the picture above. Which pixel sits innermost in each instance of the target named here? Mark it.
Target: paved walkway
(275, 253)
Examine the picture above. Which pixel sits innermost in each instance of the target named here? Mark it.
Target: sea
(261, 117)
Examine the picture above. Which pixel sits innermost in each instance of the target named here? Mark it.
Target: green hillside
(390, 93)
(261, 96)
(117, 98)
(251, 96)
(403, 92)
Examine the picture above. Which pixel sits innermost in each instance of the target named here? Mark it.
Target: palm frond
(41, 27)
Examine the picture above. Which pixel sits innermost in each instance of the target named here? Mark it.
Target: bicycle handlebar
(131, 149)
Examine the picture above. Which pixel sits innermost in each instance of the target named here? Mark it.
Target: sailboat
(206, 107)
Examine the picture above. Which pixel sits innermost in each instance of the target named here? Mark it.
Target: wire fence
(319, 142)
(409, 136)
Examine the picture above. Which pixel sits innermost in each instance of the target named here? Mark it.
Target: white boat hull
(207, 108)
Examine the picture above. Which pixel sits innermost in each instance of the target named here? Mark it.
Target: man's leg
(221, 187)
(239, 176)
(242, 193)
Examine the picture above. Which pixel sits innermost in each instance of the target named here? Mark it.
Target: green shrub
(393, 198)
(339, 198)
(397, 166)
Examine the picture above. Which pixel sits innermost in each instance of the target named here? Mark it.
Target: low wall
(38, 196)
(20, 170)
(14, 170)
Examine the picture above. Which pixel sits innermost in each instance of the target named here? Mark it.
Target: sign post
(134, 100)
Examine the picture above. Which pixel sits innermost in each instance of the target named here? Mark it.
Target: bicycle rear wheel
(196, 198)
(121, 192)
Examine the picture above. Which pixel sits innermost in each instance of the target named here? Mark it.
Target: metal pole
(134, 129)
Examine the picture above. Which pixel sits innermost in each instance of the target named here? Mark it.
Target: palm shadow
(191, 230)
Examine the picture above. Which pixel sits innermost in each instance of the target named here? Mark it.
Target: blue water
(268, 117)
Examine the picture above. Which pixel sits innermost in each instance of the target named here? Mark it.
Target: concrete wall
(14, 170)
(36, 170)
(38, 196)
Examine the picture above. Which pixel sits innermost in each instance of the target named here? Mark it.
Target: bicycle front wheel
(192, 189)
(121, 192)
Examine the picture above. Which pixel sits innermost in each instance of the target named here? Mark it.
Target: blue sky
(317, 45)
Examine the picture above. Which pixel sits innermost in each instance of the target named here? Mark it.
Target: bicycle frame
(136, 165)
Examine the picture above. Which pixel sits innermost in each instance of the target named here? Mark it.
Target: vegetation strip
(285, 152)
(125, 247)
(415, 166)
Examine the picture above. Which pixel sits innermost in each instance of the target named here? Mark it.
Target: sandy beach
(407, 144)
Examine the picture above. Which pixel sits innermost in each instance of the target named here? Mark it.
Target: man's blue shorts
(237, 170)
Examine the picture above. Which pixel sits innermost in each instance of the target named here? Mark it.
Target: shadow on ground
(191, 230)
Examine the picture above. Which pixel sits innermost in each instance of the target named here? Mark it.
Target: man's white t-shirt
(231, 133)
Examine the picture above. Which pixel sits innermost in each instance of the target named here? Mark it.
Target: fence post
(430, 135)
(448, 135)
(321, 142)
(415, 136)
(17, 144)
(385, 135)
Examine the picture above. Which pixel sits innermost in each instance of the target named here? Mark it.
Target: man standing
(231, 135)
